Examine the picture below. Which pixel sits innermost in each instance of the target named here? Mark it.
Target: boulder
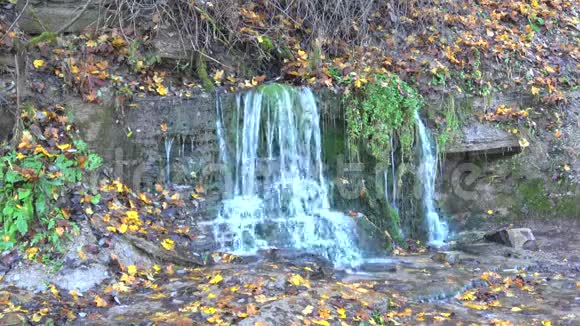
(49, 16)
(518, 238)
(451, 257)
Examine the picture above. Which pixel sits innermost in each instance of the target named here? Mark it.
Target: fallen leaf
(38, 63)
(132, 270)
(307, 310)
(168, 244)
(100, 302)
(216, 279)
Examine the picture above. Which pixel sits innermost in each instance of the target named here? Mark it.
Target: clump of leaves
(35, 176)
(380, 109)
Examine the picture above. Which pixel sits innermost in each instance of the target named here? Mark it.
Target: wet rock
(378, 267)
(128, 254)
(125, 314)
(35, 277)
(282, 312)
(450, 257)
(519, 238)
(372, 239)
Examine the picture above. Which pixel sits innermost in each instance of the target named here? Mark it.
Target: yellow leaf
(133, 217)
(74, 294)
(341, 313)
(38, 63)
(524, 143)
(161, 90)
(132, 270)
(476, 306)
(307, 310)
(59, 230)
(100, 302)
(54, 290)
(216, 279)
(64, 147)
(321, 322)
(208, 310)
(91, 44)
(516, 309)
(546, 323)
(296, 279)
(31, 252)
(37, 317)
(158, 296)
(218, 76)
(566, 167)
(163, 127)
(123, 228)
(168, 244)
(489, 212)
(535, 90)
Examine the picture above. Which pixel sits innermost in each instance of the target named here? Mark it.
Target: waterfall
(168, 146)
(279, 196)
(428, 171)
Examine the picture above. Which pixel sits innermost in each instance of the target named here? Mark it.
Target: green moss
(379, 110)
(202, 74)
(568, 207)
(394, 227)
(533, 195)
(48, 37)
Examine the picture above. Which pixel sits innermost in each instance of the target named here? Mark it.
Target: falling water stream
(168, 146)
(437, 228)
(276, 193)
(279, 195)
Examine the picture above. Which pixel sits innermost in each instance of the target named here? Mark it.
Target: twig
(214, 60)
(69, 24)
(15, 21)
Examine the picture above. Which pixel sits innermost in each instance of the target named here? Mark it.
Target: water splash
(437, 228)
(279, 197)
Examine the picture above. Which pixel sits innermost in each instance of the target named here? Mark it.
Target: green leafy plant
(381, 109)
(30, 188)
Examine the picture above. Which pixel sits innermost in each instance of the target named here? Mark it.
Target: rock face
(485, 139)
(50, 15)
(35, 277)
(520, 238)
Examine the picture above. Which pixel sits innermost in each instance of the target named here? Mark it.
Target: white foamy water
(437, 228)
(279, 196)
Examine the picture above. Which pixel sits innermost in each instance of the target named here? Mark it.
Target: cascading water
(279, 194)
(437, 228)
(168, 146)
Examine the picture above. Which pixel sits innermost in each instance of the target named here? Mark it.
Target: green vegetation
(533, 195)
(379, 110)
(34, 179)
(450, 128)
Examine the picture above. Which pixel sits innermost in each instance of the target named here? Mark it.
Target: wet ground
(484, 283)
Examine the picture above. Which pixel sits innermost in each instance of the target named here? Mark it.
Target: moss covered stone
(533, 195)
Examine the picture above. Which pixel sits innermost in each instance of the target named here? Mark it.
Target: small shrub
(33, 179)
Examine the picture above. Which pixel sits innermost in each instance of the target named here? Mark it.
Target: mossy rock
(532, 194)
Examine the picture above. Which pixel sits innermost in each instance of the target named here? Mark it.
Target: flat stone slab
(485, 139)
